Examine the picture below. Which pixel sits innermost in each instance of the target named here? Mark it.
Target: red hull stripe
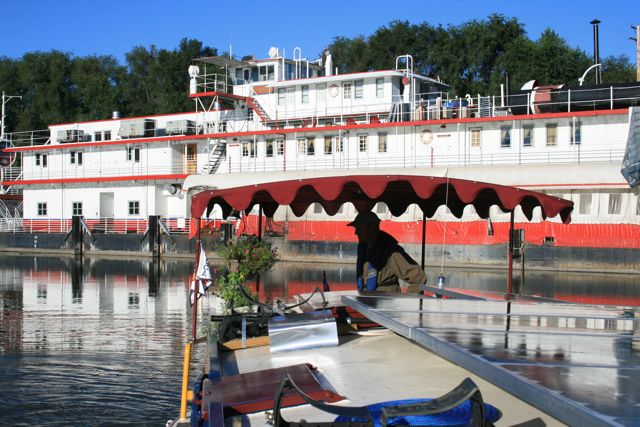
(96, 179)
(320, 129)
(467, 233)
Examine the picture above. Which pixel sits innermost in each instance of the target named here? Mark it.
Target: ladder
(484, 106)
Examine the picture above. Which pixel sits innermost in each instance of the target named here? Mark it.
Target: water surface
(101, 342)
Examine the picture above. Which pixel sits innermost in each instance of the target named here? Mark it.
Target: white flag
(203, 272)
(202, 280)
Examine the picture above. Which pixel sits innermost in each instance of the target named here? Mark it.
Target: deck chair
(462, 406)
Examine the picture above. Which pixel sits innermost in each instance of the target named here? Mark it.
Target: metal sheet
(580, 364)
(302, 331)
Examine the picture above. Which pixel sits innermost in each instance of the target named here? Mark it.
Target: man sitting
(381, 261)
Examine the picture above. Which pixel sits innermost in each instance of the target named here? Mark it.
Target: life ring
(426, 136)
(334, 90)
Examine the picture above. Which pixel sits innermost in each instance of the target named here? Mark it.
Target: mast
(5, 99)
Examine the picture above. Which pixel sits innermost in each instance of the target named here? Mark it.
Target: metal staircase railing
(217, 156)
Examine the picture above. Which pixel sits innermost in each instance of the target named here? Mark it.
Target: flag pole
(194, 320)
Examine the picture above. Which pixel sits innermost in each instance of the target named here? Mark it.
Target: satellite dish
(273, 52)
(194, 71)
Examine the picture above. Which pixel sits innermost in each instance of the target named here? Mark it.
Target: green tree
(96, 84)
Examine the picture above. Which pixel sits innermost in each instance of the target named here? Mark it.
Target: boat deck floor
(376, 368)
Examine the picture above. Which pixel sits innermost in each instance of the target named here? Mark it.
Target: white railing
(29, 138)
(175, 225)
(350, 160)
(86, 171)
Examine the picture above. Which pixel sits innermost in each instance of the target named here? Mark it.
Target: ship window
(97, 136)
(302, 145)
(476, 134)
(280, 147)
(134, 207)
(269, 148)
(585, 204)
(288, 71)
(75, 158)
(248, 149)
(346, 90)
(552, 134)
(381, 208)
(311, 147)
(382, 143)
(358, 89)
(328, 146)
(133, 154)
(107, 135)
(282, 99)
(317, 208)
(340, 143)
(576, 133)
(363, 143)
(304, 93)
(379, 88)
(637, 205)
(527, 136)
(266, 72)
(76, 208)
(41, 160)
(42, 209)
(615, 201)
(505, 136)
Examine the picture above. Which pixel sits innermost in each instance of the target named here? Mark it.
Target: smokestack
(596, 50)
(637, 40)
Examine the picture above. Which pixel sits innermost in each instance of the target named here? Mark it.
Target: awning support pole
(424, 238)
(194, 320)
(510, 255)
(259, 239)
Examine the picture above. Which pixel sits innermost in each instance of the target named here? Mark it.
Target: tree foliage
(475, 57)
(57, 87)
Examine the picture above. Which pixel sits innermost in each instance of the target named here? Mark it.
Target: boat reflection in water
(101, 340)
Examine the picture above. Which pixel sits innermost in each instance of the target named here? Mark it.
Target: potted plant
(243, 259)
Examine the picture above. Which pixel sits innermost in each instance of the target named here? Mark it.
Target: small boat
(432, 354)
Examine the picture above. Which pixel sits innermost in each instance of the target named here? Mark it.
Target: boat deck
(375, 368)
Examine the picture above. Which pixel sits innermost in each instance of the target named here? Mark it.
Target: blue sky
(114, 26)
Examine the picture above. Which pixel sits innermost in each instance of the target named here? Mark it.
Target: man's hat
(365, 218)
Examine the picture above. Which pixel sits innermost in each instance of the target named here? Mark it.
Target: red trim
(95, 179)
(319, 129)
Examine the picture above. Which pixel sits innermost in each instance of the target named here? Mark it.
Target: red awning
(396, 191)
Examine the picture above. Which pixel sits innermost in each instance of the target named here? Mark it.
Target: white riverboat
(285, 115)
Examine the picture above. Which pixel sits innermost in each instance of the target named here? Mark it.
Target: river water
(101, 342)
